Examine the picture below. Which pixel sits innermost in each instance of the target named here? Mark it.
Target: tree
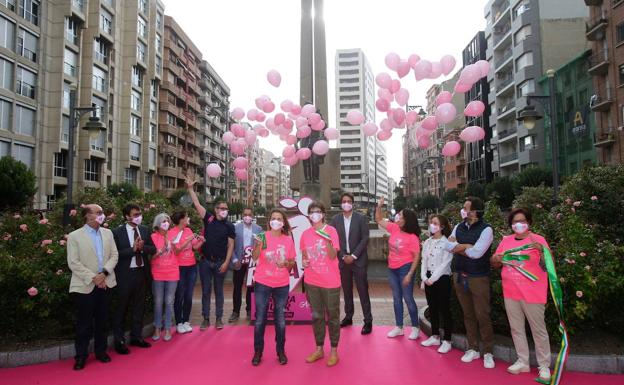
(429, 202)
(450, 196)
(532, 177)
(124, 191)
(400, 202)
(475, 189)
(17, 184)
(501, 190)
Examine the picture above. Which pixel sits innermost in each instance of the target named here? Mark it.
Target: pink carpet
(223, 357)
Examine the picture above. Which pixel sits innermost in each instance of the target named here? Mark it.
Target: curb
(597, 364)
(61, 351)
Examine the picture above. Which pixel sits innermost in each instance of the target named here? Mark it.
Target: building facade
(524, 39)
(274, 179)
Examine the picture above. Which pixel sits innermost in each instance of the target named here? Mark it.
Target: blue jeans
(164, 291)
(280, 296)
(209, 273)
(400, 293)
(184, 293)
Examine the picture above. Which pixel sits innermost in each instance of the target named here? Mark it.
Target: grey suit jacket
(357, 237)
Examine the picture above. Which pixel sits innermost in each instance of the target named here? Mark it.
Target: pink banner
(297, 308)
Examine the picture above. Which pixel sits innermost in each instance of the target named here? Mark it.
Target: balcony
(507, 133)
(604, 140)
(599, 63)
(590, 3)
(601, 100)
(168, 171)
(503, 84)
(501, 33)
(205, 84)
(203, 66)
(507, 110)
(595, 28)
(205, 101)
(503, 59)
(508, 158)
(170, 107)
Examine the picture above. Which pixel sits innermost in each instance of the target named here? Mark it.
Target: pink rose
(17, 216)
(7, 237)
(44, 221)
(570, 261)
(59, 272)
(82, 205)
(583, 254)
(562, 280)
(576, 204)
(573, 209)
(50, 251)
(23, 227)
(32, 291)
(151, 206)
(579, 293)
(65, 236)
(46, 242)
(594, 198)
(72, 212)
(539, 206)
(62, 242)
(568, 201)
(559, 216)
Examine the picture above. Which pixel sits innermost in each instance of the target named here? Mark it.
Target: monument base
(314, 191)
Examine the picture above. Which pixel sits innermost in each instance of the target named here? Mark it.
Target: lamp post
(94, 126)
(529, 115)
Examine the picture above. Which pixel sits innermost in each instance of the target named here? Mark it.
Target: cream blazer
(82, 260)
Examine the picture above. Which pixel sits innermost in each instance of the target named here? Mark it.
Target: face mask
(347, 207)
(223, 214)
(247, 220)
(188, 222)
(316, 217)
(276, 225)
(397, 218)
(137, 220)
(100, 218)
(463, 213)
(164, 226)
(433, 228)
(520, 227)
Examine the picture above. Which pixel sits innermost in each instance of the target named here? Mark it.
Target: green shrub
(17, 184)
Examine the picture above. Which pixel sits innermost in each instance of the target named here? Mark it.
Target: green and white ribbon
(510, 259)
(323, 233)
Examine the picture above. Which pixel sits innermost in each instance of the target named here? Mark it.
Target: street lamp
(94, 127)
(529, 115)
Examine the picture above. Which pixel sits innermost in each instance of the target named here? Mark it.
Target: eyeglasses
(222, 208)
(316, 212)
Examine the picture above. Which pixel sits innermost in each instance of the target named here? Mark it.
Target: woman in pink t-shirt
(319, 248)
(165, 274)
(274, 253)
(403, 259)
(525, 299)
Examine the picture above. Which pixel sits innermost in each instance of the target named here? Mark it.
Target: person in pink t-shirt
(525, 299)
(319, 247)
(403, 259)
(274, 253)
(165, 274)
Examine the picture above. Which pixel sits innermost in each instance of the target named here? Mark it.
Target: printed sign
(297, 308)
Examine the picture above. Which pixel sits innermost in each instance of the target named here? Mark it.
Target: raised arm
(378, 217)
(190, 183)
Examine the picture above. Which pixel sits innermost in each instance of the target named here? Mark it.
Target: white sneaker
(488, 361)
(544, 373)
(470, 356)
(188, 327)
(431, 341)
(181, 329)
(414, 334)
(519, 367)
(397, 331)
(445, 347)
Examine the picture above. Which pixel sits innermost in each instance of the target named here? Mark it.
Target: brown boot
(333, 359)
(317, 355)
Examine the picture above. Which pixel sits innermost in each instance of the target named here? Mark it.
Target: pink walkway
(223, 357)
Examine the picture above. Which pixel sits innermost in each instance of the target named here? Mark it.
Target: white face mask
(347, 207)
(316, 217)
(433, 228)
(188, 221)
(100, 218)
(463, 213)
(164, 226)
(276, 225)
(223, 214)
(520, 227)
(137, 220)
(397, 218)
(247, 219)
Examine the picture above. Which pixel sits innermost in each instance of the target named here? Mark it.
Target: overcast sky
(244, 39)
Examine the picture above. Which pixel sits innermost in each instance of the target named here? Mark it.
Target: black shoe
(234, 317)
(140, 343)
(103, 357)
(281, 357)
(346, 322)
(255, 361)
(367, 328)
(121, 348)
(80, 363)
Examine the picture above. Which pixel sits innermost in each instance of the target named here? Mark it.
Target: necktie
(138, 258)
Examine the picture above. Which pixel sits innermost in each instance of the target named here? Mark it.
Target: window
(60, 164)
(170, 139)
(100, 50)
(149, 178)
(6, 74)
(5, 148)
(527, 87)
(135, 125)
(71, 30)
(143, 6)
(24, 154)
(65, 129)
(349, 72)
(135, 151)
(349, 89)
(7, 33)
(106, 21)
(153, 110)
(92, 170)
(70, 61)
(521, 8)
(153, 131)
(158, 43)
(620, 32)
(171, 119)
(131, 176)
(158, 65)
(524, 61)
(527, 143)
(522, 34)
(141, 26)
(621, 73)
(97, 144)
(354, 80)
(26, 82)
(24, 121)
(152, 158)
(168, 182)
(10, 4)
(100, 112)
(154, 89)
(137, 76)
(135, 100)
(348, 55)
(5, 114)
(141, 51)
(29, 10)
(99, 79)
(159, 21)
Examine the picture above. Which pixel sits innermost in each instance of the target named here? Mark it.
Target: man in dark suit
(135, 247)
(353, 232)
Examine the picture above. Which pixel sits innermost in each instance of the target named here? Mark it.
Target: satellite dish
(185, 200)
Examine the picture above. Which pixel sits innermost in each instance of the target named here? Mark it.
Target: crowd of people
(334, 257)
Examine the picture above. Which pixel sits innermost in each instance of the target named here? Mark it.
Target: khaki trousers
(517, 312)
(473, 294)
(325, 304)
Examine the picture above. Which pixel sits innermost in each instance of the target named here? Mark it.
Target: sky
(244, 39)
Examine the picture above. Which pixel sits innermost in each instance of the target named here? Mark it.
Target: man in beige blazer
(92, 257)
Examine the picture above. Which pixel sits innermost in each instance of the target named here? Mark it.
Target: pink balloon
(331, 133)
(443, 97)
(448, 64)
(260, 116)
(472, 134)
(303, 132)
(279, 119)
(304, 153)
(484, 67)
(238, 130)
(301, 121)
(270, 123)
(241, 174)
(385, 125)
(288, 151)
(263, 132)
(288, 124)
(424, 142)
(422, 69)
(461, 88)
(314, 118)
(228, 137)
(308, 109)
(291, 140)
(382, 105)
(384, 135)
(386, 94)
(411, 118)
(451, 148)
(237, 113)
(398, 115)
(402, 96)
(295, 109)
(268, 107)
(470, 74)
(403, 69)
(240, 162)
(321, 147)
(436, 70)
(413, 60)
(291, 161)
(396, 85)
(274, 78)
(445, 113)
(430, 123)
(392, 61)
(260, 100)
(237, 148)
(213, 170)
(355, 117)
(474, 108)
(318, 126)
(251, 114)
(369, 129)
(286, 105)
(250, 137)
(383, 80)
